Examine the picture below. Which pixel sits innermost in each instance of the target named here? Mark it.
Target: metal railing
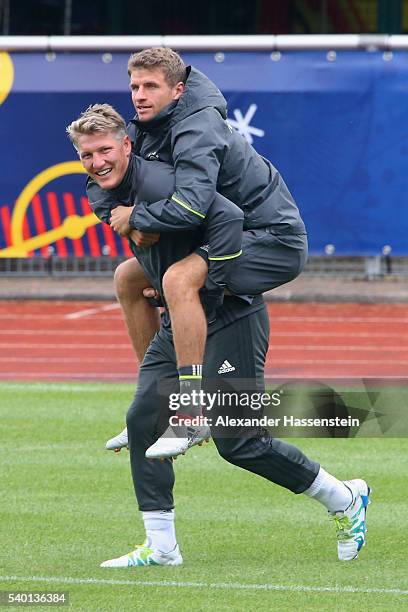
(369, 268)
(269, 42)
(59, 266)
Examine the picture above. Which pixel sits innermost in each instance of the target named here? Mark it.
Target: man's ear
(178, 90)
(127, 143)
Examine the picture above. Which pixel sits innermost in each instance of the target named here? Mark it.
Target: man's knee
(129, 280)
(174, 282)
(186, 275)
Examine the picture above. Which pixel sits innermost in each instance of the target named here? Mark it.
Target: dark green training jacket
(209, 156)
(148, 181)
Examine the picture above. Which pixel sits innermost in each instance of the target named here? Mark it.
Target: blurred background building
(138, 17)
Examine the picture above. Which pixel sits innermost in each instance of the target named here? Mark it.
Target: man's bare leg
(142, 321)
(181, 285)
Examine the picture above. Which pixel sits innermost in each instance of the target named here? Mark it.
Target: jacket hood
(199, 93)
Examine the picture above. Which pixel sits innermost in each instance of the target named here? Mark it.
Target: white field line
(277, 318)
(330, 334)
(230, 586)
(69, 332)
(338, 347)
(61, 316)
(275, 347)
(276, 361)
(31, 317)
(274, 334)
(342, 320)
(78, 314)
(77, 346)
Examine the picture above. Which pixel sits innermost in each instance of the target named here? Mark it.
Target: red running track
(45, 341)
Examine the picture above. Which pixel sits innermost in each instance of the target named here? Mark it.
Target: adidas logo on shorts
(226, 367)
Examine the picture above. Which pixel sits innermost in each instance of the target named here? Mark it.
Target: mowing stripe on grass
(203, 585)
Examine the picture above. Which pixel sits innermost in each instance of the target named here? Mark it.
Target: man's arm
(224, 229)
(100, 201)
(104, 205)
(198, 147)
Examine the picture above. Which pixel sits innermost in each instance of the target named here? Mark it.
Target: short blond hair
(97, 118)
(163, 58)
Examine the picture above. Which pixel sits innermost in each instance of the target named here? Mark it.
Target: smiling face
(151, 92)
(104, 157)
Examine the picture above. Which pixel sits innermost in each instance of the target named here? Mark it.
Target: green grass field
(67, 505)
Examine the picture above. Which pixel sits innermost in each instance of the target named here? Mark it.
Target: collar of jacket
(200, 92)
(123, 191)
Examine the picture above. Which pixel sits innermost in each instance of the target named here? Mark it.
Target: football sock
(160, 530)
(330, 492)
(190, 384)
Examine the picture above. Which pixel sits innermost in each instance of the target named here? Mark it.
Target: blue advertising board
(334, 125)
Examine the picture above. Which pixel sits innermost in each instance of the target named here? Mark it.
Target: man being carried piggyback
(240, 327)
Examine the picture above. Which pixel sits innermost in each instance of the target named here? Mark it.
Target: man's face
(104, 157)
(151, 92)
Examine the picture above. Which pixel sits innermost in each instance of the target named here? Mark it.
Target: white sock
(330, 492)
(160, 530)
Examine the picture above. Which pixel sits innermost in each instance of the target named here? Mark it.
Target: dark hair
(167, 60)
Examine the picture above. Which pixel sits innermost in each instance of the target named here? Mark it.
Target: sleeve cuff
(132, 219)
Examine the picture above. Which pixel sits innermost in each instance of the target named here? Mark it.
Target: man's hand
(119, 219)
(153, 297)
(143, 239)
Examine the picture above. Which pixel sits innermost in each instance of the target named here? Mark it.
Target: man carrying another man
(241, 328)
(181, 120)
